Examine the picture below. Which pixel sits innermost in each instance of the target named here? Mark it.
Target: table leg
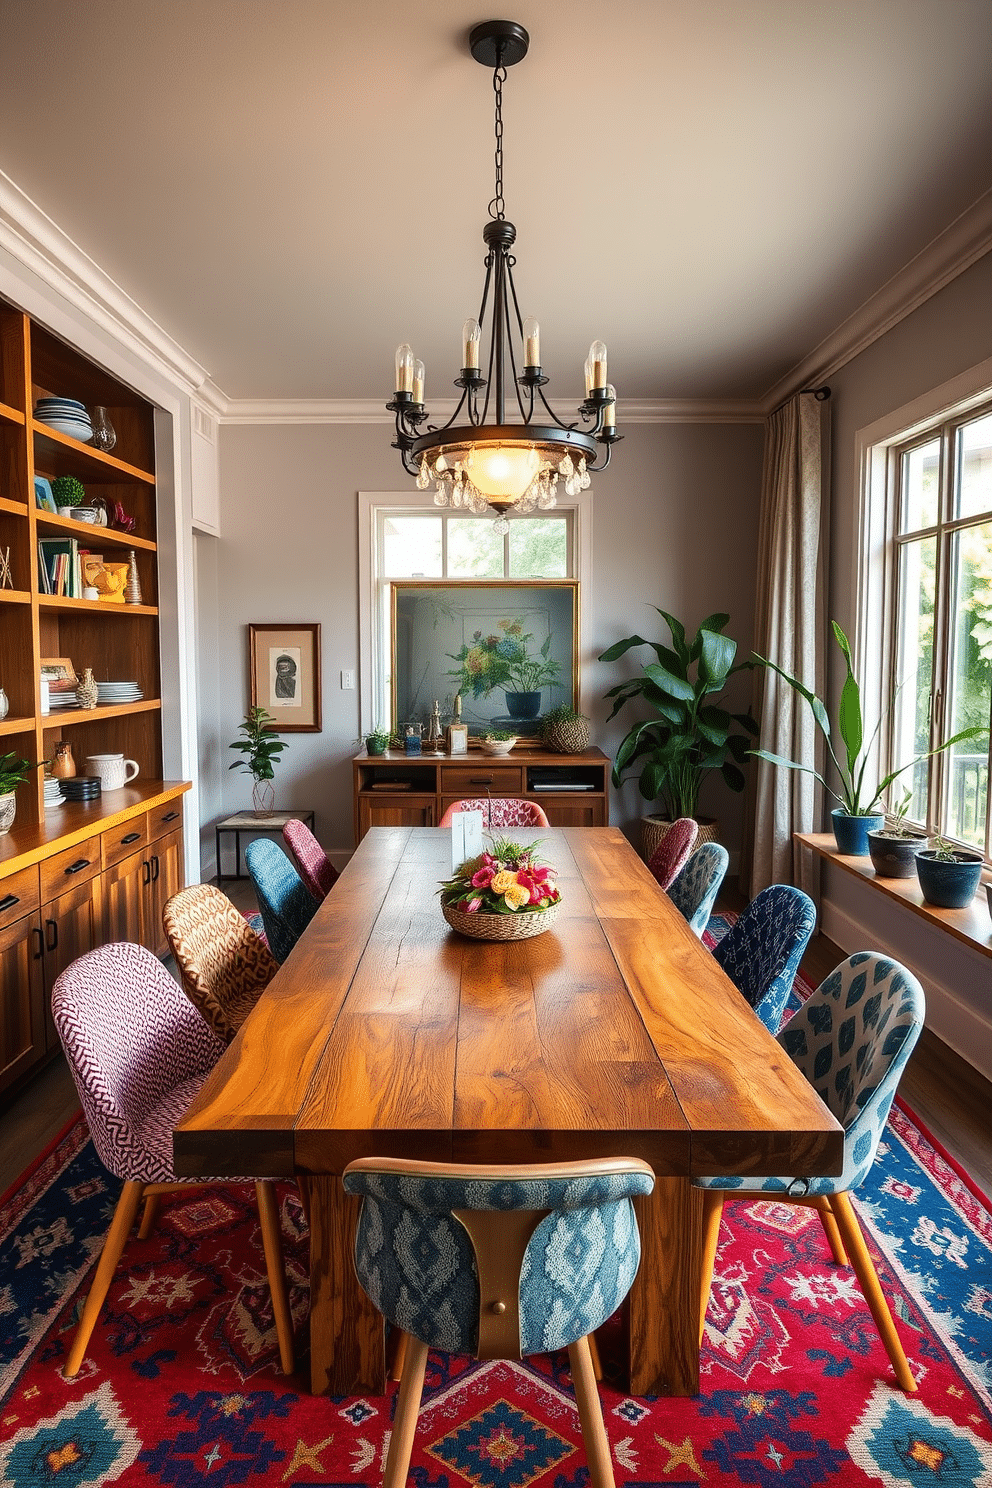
(664, 1300)
(347, 1334)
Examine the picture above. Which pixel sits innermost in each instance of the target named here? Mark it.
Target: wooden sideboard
(397, 790)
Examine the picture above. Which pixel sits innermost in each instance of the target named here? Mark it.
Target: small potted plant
(497, 741)
(893, 847)
(68, 493)
(564, 730)
(13, 770)
(262, 748)
(377, 741)
(948, 875)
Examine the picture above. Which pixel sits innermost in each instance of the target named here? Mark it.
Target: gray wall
(674, 522)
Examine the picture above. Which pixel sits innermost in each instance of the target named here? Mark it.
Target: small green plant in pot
(858, 812)
(377, 742)
(262, 748)
(564, 730)
(13, 771)
(893, 847)
(68, 493)
(949, 875)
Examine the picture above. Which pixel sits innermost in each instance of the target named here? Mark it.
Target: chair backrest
(316, 869)
(761, 952)
(131, 1036)
(673, 850)
(500, 811)
(286, 904)
(851, 1039)
(223, 964)
(437, 1244)
(693, 891)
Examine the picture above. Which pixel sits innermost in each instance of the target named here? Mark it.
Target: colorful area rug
(181, 1383)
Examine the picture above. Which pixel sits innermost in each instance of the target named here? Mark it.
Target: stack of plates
(53, 792)
(59, 700)
(81, 787)
(65, 415)
(119, 692)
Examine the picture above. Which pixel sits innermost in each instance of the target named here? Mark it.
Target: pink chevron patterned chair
(500, 811)
(673, 850)
(316, 871)
(139, 1052)
(225, 966)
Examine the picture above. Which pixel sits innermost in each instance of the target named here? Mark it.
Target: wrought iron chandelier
(508, 466)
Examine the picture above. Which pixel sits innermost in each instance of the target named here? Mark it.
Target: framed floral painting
(510, 649)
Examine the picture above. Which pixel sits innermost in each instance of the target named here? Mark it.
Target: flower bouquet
(504, 894)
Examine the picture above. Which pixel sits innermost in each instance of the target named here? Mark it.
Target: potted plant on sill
(377, 741)
(893, 847)
(13, 771)
(262, 748)
(948, 875)
(858, 813)
(689, 733)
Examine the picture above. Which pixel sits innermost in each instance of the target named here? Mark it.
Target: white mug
(112, 770)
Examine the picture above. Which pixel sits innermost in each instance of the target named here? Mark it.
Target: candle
(418, 381)
(597, 364)
(610, 411)
(471, 332)
(532, 342)
(404, 369)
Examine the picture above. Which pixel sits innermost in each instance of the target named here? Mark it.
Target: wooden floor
(950, 1097)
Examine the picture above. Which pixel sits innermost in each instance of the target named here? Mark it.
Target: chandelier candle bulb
(404, 369)
(610, 411)
(597, 364)
(471, 335)
(418, 381)
(532, 342)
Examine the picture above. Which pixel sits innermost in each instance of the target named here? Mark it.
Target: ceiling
(291, 187)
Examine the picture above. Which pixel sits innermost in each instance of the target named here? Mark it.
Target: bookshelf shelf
(69, 716)
(93, 606)
(14, 596)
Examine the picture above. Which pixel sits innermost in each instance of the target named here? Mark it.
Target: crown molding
(964, 242)
(365, 411)
(34, 240)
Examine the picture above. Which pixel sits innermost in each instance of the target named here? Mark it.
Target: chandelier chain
(497, 203)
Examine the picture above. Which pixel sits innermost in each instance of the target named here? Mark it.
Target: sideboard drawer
(66, 869)
(18, 895)
(165, 818)
(482, 779)
(124, 839)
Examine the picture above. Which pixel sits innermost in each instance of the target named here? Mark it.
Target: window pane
(920, 473)
(970, 674)
(539, 548)
(914, 666)
(475, 549)
(974, 468)
(411, 547)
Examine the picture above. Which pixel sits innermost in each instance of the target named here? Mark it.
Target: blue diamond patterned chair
(851, 1039)
(498, 1263)
(761, 952)
(286, 903)
(694, 889)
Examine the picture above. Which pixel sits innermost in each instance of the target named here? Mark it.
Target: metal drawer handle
(51, 943)
(131, 837)
(78, 865)
(171, 816)
(481, 780)
(146, 872)
(155, 867)
(41, 943)
(8, 903)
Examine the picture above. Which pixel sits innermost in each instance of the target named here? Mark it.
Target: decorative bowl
(497, 746)
(519, 926)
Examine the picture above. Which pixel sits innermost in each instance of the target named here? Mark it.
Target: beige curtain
(790, 628)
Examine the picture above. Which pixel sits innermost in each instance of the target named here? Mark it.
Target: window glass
(974, 468)
(411, 547)
(475, 549)
(539, 548)
(914, 670)
(970, 680)
(920, 476)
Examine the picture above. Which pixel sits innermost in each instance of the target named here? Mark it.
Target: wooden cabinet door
(395, 811)
(123, 897)
(22, 998)
(573, 811)
(165, 879)
(71, 925)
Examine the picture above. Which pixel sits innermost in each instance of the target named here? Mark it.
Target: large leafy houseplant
(262, 747)
(688, 733)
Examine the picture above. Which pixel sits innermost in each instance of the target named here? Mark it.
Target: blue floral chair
(286, 903)
(761, 951)
(693, 891)
(498, 1263)
(851, 1039)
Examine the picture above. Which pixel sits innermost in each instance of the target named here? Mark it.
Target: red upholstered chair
(316, 870)
(500, 811)
(672, 851)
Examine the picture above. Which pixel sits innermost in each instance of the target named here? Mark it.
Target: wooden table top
(615, 1032)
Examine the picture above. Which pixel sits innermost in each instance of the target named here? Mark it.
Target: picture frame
(58, 669)
(510, 647)
(458, 738)
(43, 498)
(284, 675)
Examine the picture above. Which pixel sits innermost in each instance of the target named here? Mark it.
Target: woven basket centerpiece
(520, 926)
(503, 894)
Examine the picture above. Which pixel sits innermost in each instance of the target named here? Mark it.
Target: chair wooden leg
(120, 1227)
(399, 1354)
(712, 1215)
(822, 1206)
(272, 1245)
(405, 1415)
(854, 1242)
(591, 1415)
(149, 1216)
(597, 1363)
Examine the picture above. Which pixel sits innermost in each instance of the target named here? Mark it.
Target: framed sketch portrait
(285, 675)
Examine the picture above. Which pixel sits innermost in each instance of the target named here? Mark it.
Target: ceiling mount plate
(491, 38)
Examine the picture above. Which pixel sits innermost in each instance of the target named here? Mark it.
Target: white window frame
(372, 503)
(874, 577)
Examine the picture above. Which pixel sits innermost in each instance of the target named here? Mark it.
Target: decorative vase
(63, 764)
(949, 884)
(566, 735)
(894, 857)
(523, 704)
(8, 810)
(520, 926)
(851, 832)
(654, 829)
(132, 589)
(263, 797)
(4, 704)
(104, 433)
(88, 693)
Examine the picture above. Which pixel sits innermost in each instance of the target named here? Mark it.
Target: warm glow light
(502, 472)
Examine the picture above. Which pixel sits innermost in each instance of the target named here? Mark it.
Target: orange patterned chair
(224, 965)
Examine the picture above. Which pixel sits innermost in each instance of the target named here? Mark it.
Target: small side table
(254, 821)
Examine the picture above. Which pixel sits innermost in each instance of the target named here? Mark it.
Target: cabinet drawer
(476, 780)
(19, 894)
(73, 866)
(168, 817)
(124, 839)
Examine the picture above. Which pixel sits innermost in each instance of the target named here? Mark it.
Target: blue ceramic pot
(851, 832)
(949, 885)
(523, 704)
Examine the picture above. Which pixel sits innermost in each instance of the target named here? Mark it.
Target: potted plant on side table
(689, 733)
(261, 746)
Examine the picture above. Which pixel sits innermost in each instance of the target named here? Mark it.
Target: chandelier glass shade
(500, 452)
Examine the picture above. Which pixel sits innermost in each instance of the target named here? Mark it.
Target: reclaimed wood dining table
(614, 1033)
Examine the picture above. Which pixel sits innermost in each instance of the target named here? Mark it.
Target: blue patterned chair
(286, 903)
(851, 1039)
(693, 891)
(761, 951)
(498, 1263)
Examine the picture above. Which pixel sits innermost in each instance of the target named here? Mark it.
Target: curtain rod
(821, 394)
